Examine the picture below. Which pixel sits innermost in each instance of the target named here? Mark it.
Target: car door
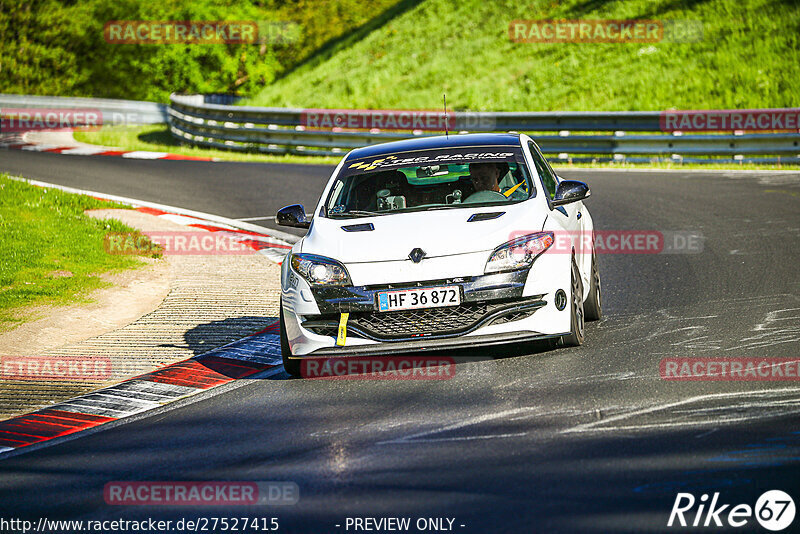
(568, 216)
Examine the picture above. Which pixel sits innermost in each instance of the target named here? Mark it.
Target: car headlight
(519, 253)
(319, 270)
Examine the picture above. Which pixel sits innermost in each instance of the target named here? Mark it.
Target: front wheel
(290, 365)
(575, 337)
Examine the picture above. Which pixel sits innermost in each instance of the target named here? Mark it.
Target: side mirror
(570, 191)
(294, 215)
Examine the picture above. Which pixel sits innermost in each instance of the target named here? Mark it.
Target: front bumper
(426, 345)
(488, 287)
(428, 323)
(494, 306)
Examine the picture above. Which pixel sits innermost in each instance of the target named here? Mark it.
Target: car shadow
(210, 336)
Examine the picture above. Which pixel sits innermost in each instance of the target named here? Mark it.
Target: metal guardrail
(212, 121)
(113, 111)
(196, 121)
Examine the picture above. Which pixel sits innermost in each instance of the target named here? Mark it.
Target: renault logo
(416, 255)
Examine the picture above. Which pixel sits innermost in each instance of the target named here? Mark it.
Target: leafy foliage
(51, 47)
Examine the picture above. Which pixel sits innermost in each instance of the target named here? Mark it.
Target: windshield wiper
(447, 206)
(362, 213)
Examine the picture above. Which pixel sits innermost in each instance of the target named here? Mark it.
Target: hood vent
(477, 217)
(366, 227)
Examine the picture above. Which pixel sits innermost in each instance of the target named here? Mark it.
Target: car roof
(439, 141)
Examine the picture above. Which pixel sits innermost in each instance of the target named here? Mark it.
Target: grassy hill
(749, 56)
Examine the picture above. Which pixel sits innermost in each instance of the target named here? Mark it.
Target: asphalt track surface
(565, 440)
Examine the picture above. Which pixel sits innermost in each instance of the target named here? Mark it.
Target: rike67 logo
(774, 510)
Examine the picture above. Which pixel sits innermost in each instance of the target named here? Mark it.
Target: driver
(485, 176)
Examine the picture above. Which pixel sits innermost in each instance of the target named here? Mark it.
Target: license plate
(413, 299)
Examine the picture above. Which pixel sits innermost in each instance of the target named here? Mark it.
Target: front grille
(409, 324)
(425, 322)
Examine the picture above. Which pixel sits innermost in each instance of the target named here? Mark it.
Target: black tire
(592, 308)
(290, 365)
(576, 335)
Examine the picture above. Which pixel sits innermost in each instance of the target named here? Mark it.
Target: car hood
(438, 233)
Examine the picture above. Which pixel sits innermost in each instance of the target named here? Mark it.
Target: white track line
(84, 151)
(596, 425)
(411, 438)
(40, 148)
(141, 154)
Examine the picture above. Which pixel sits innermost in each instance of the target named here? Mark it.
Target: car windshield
(428, 180)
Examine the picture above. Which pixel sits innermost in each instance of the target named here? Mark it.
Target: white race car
(439, 243)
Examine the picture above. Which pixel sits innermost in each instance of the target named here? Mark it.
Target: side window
(543, 169)
(335, 193)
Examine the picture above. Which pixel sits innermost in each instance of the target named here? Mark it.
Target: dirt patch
(60, 274)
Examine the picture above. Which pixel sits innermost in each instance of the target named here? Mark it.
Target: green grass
(749, 57)
(43, 235)
(156, 137)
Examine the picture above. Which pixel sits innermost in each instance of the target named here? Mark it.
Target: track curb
(19, 142)
(254, 356)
